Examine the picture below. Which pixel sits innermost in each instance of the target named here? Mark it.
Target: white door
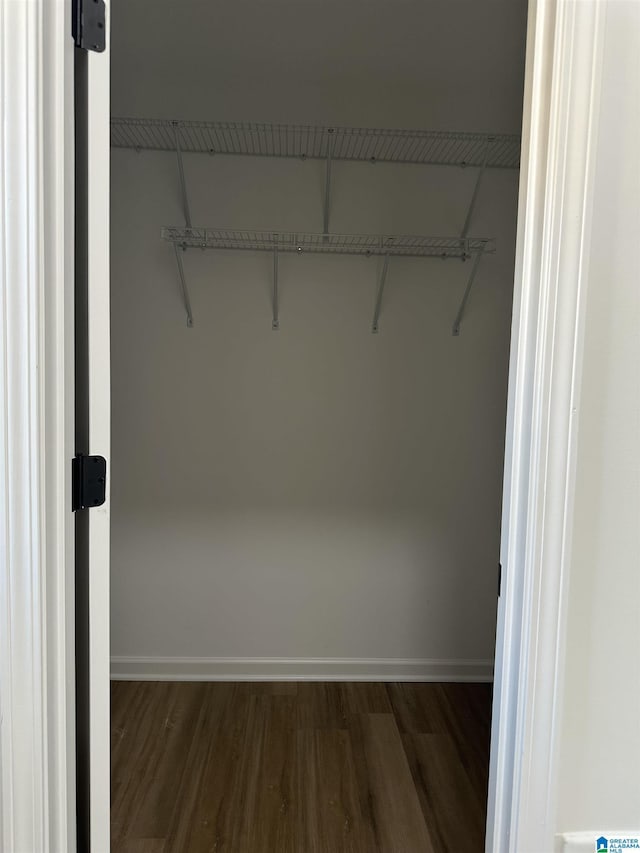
(92, 437)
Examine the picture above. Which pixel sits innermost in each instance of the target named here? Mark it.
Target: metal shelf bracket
(183, 183)
(275, 323)
(183, 285)
(327, 184)
(463, 304)
(476, 189)
(375, 326)
(187, 221)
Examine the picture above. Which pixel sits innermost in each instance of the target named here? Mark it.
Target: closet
(312, 251)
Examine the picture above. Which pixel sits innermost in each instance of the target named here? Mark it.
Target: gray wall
(317, 492)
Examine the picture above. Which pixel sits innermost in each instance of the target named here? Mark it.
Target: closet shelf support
(327, 185)
(476, 189)
(463, 304)
(378, 306)
(183, 286)
(183, 183)
(275, 323)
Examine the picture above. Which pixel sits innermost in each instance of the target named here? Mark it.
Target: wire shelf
(374, 145)
(328, 244)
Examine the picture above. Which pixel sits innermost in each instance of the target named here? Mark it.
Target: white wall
(600, 730)
(317, 492)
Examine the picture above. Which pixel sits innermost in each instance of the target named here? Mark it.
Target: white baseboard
(298, 669)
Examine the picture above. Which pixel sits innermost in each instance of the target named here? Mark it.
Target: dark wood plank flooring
(299, 767)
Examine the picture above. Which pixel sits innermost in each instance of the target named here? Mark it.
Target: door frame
(37, 730)
(37, 430)
(564, 69)
(37, 736)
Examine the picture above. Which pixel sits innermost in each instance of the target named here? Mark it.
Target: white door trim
(564, 68)
(37, 748)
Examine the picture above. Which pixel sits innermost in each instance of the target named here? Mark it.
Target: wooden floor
(299, 767)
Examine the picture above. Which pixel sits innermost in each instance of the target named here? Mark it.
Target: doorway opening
(313, 219)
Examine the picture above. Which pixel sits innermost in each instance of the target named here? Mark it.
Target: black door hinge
(88, 481)
(88, 24)
(499, 579)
